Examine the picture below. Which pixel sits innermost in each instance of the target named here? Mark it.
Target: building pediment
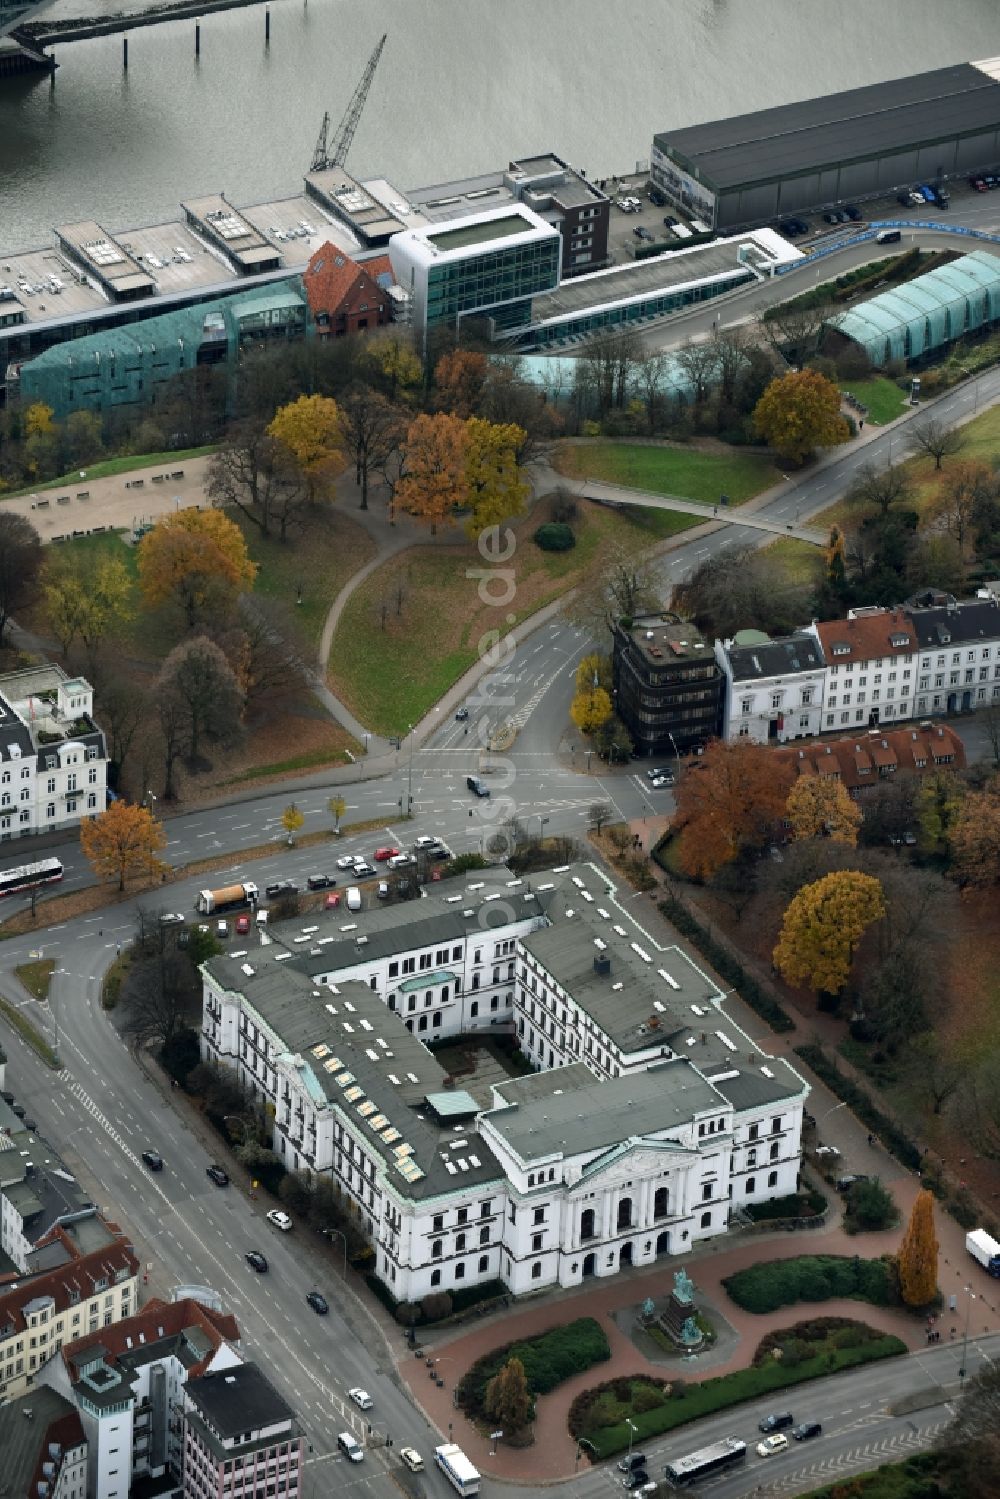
(636, 1159)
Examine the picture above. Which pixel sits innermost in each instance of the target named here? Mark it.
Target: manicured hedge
(813, 1277)
(548, 1359)
(689, 1402)
(725, 964)
(555, 536)
(888, 1131)
(804, 1204)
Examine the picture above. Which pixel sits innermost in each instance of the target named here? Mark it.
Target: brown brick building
(345, 297)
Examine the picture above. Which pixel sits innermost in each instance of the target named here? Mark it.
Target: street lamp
(409, 774)
(335, 1233)
(54, 996)
(965, 1335)
(677, 753)
(632, 1428)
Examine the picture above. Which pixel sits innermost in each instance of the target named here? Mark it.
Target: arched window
(625, 1212)
(751, 1186)
(435, 1277)
(436, 1250)
(661, 1203)
(459, 1271)
(772, 1179)
(587, 1224)
(706, 1220)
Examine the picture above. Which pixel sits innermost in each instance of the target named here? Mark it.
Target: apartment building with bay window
(651, 1119)
(53, 756)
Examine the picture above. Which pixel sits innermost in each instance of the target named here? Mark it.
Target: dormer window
(840, 649)
(899, 640)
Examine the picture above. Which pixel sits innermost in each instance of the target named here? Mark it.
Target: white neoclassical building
(53, 756)
(650, 1118)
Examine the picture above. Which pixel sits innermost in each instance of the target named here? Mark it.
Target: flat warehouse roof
(793, 139)
(644, 278)
(481, 233)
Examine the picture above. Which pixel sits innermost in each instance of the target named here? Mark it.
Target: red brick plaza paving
(552, 1456)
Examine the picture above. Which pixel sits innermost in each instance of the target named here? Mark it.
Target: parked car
(362, 869)
(411, 1457)
(629, 1464)
(906, 199)
(777, 1421)
(242, 925)
(385, 853)
(977, 184)
(853, 212)
(361, 1398)
(346, 861)
(153, 1160)
(830, 1150)
(806, 1430)
(772, 1445)
(926, 192)
(658, 199)
(279, 1219)
(317, 1302)
(281, 887)
(256, 1260)
(461, 715)
(382, 890)
(845, 1183)
(332, 902)
(425, 841)
(641, 232)
(320, 881)
(831, 218)
(669, 221)
(222, 929)
(171, 918)
(217, 1175)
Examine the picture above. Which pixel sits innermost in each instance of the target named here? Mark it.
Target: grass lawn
(980, 442)
(801, 562)
(883, 397)
(36, 976)
(391, 676)
(685, 472)
(106, 467)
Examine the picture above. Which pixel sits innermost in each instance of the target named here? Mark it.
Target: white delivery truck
(457, 1469)
(984, 1250)
(229, 898)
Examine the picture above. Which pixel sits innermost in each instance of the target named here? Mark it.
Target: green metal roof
(928, 312)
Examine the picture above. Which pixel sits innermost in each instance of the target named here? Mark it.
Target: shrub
(686, 1403)
(773, 1283)
(548, 1359)
(805, 1204)
(725, 964)
(436, 1306)
(555, 536)
(563, 505)
(870, 1208)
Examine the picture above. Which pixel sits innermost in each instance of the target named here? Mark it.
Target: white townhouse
(871, 659)
(958, 669)
(53, 756)
(774, 688)
(686, 1119)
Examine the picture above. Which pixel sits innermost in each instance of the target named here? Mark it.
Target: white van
(348, 1445)
(353, 898)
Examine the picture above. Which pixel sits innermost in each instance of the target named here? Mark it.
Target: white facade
(53, 757)
(768, 699)
(351, 1088)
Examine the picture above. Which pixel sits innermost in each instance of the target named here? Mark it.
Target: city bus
(25, 876)
(730, 1452)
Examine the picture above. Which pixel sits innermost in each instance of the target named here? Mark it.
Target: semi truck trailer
(229, 898)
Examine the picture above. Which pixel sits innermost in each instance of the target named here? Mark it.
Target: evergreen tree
(508, 1401)
(917, 1257)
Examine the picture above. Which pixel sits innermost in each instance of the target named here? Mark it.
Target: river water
(462, 86)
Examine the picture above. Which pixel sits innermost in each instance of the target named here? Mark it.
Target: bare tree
(882, 487)
(159, 996)
(122, 707)
(622, 586)
(598, 814)
(252, 473)
(741, 588)
(374, 426)
(732, 355)
(261, 651)
(20, 559)
(965, 490)
(700, 362)
(200, 681)
(794, 329)
(936, 439)
(606, 363)
(650, 366)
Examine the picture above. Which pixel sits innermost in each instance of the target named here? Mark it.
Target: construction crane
(324, 157)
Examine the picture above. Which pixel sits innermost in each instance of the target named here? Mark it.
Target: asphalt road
(860, 1429)
(101, 1111)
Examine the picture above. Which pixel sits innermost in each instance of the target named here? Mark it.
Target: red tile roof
(158, 1319)
(80, 1277)
(868, 637)
(858, 761)
(332, 275)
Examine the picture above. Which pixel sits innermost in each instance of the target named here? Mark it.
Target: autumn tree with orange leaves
(123, 842)
(196, 558)
(798, 413)
(974, 837)
(459, 381)
(433, 479)
(728, 804)
(821, 807)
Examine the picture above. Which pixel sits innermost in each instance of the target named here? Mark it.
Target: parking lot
(623, 241)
